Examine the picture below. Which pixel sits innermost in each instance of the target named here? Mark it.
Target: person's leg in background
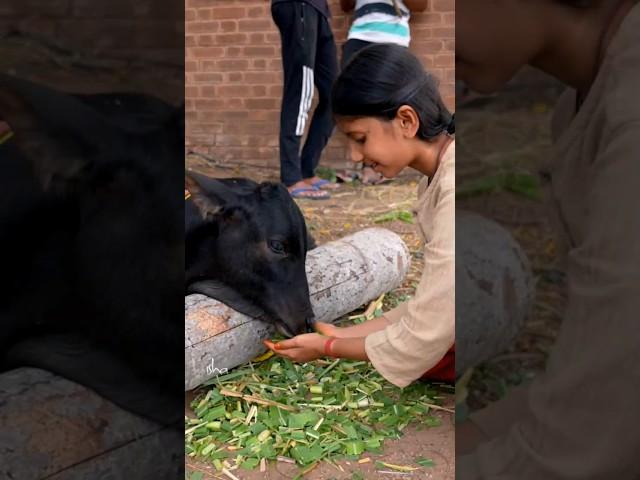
(297, 24)
(326, 71)
(350, 48)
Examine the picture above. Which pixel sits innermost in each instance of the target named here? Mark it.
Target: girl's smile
(389, 146)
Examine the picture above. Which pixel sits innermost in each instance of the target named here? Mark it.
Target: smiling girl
(390, 109)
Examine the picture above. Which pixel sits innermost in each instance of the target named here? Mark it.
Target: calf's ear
(57, 133)
(209, 195)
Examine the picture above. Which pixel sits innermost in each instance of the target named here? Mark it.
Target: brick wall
(233, 83)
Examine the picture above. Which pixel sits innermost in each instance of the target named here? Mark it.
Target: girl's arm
(310, 346)
(416, 5)
(354, 331)
(350, 348)
(347, 5)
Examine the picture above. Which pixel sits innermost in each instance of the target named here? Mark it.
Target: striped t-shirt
(376, 21)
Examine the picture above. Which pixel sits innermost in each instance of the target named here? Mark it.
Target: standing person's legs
(326, 71)
(350, 48)
(297, 24)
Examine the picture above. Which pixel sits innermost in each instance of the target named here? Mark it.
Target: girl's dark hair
(381, 78)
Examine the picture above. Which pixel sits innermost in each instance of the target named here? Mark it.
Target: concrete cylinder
(494, 289)
(343, 275)
(53, 428)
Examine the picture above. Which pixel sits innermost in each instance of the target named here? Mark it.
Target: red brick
(205, 128)
(198, 139)
(256, 38)
(202, 27)
(228, 12)
(258, 90)
(425, 20)
(208, 78)
(430, 47)
(200, 3)
(232, 90)
(272, 38)
(262, 103)
(443, 5)
(233, 52)
(228, 26)
(204, 14)
(450, 75)
(265, 115)
(444, 32)
(231, 38)
(255, 25)
(233, 126)
(262, 78)
(232, 65)
(444, 60)
(258, 12)
(205, 40)
(207, 104)
(210, 92)
(259, 63)
(206, 52)
(263, 52)
(191, 91)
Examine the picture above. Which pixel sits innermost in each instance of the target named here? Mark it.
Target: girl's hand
(303, 348)
(329, 330)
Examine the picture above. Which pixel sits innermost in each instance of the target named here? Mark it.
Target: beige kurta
(423, 329)
(581, 419)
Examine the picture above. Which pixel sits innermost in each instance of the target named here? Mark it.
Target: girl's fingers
(284, 344)
(325, 328)
(290, 354)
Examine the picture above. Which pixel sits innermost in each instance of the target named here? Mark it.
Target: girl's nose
(356, 155)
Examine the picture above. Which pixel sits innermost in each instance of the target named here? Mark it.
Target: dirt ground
(353, 208)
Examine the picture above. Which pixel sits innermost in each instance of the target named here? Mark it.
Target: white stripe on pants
(305, 99)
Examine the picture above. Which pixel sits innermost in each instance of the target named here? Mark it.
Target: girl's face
(495, 39)
(380, 144)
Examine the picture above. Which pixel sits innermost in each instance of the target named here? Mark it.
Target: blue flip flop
(300, 193)
(318, 184)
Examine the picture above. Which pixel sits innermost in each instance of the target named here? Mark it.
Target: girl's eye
(276, 246)
(360, 140)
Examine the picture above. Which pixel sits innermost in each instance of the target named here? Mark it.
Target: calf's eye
(277, 246)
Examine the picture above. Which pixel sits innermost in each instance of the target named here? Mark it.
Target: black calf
(246, 245)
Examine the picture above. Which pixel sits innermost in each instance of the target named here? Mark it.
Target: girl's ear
(408, 120)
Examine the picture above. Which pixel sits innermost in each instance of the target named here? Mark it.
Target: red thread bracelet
(327, 346)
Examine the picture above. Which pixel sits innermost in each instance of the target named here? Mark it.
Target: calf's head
(251, 239)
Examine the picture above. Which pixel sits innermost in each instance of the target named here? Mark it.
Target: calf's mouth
(284, 329)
